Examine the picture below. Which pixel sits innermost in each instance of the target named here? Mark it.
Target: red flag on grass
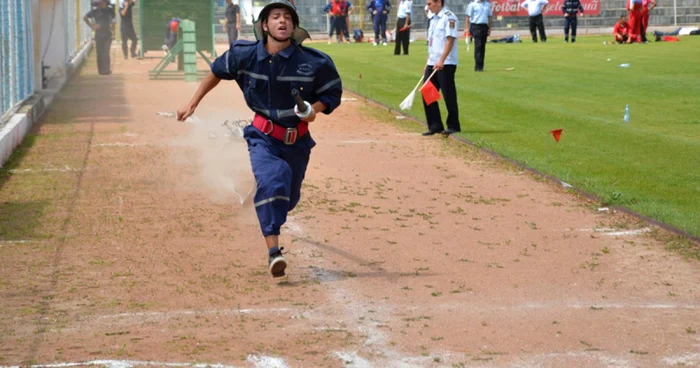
(556, 133)
(430, 93)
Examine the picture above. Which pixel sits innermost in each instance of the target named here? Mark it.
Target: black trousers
(479, 32)
(128, 33)
(379, 21)
(341, 27)
(537, 23)
(402, 37)
(232, 33)
(103, 43)
(444, 80)
(570, 22)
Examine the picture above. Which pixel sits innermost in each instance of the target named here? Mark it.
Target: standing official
(127, 28)
(103, 21)
(233, 21)
(645, 17)
(403, 27)
(571, 9)
(442, 56)
(380, 13)
(634, 7)
(279, 142)
(478, 21)
(534, 10)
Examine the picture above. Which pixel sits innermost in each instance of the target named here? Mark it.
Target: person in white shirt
(534, 10)
(442, 56)
(403, 24)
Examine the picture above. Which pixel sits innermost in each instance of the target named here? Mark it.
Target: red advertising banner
(512, 8)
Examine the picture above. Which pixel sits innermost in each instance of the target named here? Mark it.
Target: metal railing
(16, 54)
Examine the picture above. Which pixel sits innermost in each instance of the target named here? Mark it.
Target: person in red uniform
(634, 7)
(645, 16)
(621, 30)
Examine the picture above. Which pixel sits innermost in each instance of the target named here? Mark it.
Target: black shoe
(449, 131)
(277, 263)
(431, 132)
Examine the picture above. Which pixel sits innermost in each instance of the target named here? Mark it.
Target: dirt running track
(405, 251)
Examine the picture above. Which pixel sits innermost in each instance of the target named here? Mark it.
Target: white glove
(308, 110)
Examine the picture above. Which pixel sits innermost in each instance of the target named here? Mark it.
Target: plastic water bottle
(625, 65)
(627, 114)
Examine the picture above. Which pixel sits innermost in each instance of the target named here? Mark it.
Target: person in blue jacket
(269, 71)
(380, 13)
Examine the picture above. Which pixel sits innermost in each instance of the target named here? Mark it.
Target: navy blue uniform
(383, 7)
(103, 37)
(571, 8)
(127, 28)
(267, 82)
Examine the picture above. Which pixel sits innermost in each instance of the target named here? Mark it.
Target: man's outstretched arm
(209, 82)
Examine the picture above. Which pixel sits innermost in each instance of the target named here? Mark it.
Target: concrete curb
(32, 109)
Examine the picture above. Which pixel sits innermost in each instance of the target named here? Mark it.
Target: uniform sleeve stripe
(254, 75)
(228, 56)
(328, 85)
(272, 199)
(295, 79)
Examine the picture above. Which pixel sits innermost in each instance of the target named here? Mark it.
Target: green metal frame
(176, 8)
(186, 49)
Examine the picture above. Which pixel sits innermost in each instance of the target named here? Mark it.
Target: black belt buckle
(290, 136)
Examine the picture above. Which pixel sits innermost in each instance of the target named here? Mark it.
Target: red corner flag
(430, 93)
(556, 134)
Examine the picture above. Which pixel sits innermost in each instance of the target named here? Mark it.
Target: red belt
(279, 132)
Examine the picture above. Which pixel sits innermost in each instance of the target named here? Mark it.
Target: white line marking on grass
(118, 144)
(293, 227)
(353, 360)
(174, 314)
(348, 99)
(126, 364)
(267, 362)
(691, 360)
(65, 168)
(361, 141)
(613, 232)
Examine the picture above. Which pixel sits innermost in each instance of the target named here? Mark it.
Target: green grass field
(650, 165)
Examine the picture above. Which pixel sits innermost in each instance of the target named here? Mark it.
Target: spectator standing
(634, 7)
(534, 11)
(478, 21)
(127, 28)
(380, 13)
(102, 23)
(233, 21)
(645, 16)
(403, 27)
(571, 8)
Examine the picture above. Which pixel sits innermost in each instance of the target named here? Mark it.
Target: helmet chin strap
(277, 39)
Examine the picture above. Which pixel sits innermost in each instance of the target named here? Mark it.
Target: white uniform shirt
(444, 24)
(534, 7)
(404, 8)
